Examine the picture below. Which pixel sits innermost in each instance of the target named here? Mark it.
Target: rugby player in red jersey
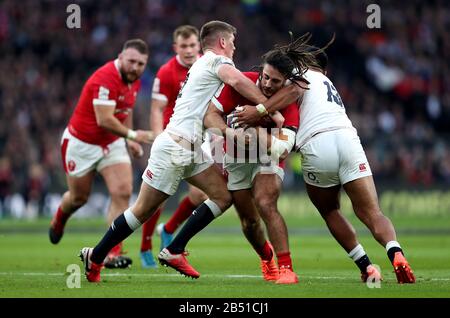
(256, 186)
(97, 137)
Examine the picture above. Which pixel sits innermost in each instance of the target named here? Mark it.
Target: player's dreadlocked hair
(294, 59)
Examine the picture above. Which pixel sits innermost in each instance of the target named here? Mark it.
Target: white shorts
(169, 163)
(241, 175)
(79, 157)
(334, 157)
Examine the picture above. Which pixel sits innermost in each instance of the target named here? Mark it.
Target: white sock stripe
(213, 207)
(131, 219)
(356, 253)
(391, 244)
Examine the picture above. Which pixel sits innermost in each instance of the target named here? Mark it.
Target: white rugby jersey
(321, 109)
(202, 82)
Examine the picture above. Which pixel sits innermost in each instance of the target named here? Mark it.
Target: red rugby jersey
(104, 87)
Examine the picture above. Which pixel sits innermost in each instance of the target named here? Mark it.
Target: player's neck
(215, 50)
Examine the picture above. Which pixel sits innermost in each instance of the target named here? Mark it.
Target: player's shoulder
(217, 58)
(312, 75)
(168, 67)
(106, 74)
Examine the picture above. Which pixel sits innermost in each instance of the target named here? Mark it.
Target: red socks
(183, 211)
(265, 252)
(147, 231)
(62, 217)
(284, 259)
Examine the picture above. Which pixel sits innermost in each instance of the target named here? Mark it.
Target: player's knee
(266, 205)
(121, 192)
(197, 197)
(328, 211)
(222, 199)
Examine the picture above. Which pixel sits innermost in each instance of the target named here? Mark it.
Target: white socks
(391, 244)
(132, 221)
(356, 253)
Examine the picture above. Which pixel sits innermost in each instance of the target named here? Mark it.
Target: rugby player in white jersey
(332, 155)
(176, 153)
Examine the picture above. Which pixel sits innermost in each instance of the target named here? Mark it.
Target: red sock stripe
(63, 153)
(284, 259)
(183, 211)
(147, 231)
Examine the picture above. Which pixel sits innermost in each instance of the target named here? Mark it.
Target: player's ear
(222, 42)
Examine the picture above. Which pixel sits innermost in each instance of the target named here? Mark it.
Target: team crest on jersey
(149, 174)
(71, 165)
(362, 167)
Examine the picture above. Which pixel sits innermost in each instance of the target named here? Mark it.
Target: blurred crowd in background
(394, 80)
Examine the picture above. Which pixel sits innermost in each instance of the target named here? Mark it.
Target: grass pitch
(31, 267)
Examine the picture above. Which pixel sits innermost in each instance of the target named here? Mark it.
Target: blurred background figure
(395, 80)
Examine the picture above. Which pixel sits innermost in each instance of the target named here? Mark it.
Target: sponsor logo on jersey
(103, 93)
(149, 174)
(362, 167)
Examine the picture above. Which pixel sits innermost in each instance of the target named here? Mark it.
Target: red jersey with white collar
(104, 87)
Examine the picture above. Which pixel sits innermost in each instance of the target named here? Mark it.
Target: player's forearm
(129, 121)
(249, 90)
(285, 96)
(156, 121)
(157, 115)
(113, 125)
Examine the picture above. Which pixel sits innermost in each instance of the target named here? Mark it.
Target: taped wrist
(132, 134)
(279, 146)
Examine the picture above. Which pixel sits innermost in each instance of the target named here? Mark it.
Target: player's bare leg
(213, 184)
(146, 254)
(196, 195)
(363, 195)
(149, 199)
(266, 190)
(254, 232)
(327, 202)
(72, 200)
(165, 230)
(118, 179)
(250, 219)
(194, 198)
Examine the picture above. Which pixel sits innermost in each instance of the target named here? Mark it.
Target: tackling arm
(243, 85)
(285, 96)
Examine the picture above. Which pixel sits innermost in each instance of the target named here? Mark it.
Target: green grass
(31, 267)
